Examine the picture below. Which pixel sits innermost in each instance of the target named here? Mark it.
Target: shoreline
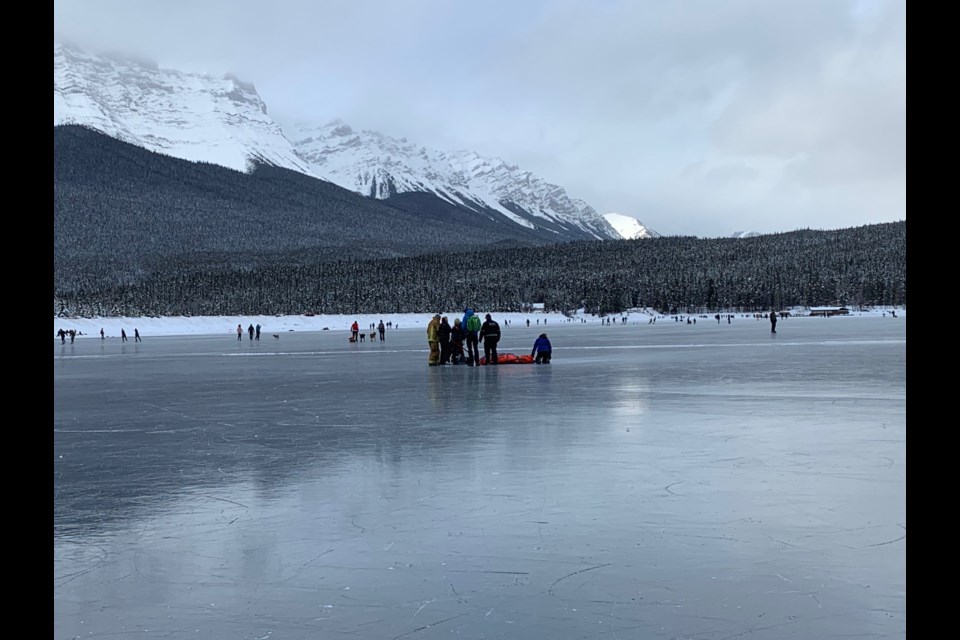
(270, 324)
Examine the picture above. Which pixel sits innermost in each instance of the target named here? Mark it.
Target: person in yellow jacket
(433, 339)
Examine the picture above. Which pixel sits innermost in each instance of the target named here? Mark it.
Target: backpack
(473, 323)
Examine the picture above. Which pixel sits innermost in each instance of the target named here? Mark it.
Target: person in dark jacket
(382, 330)
(490, 334)
(471, 330)
(542, 349)
(456, 342)
(443, 333)
(773, 321)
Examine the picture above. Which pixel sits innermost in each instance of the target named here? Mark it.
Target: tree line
(856, 266)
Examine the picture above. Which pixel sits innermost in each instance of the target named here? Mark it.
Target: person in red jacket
(355, 330)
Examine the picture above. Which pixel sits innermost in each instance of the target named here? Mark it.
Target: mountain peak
(186, 115)
(628, 227)
(379, 165)
(224, 121)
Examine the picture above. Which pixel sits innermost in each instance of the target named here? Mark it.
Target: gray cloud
(698, 118)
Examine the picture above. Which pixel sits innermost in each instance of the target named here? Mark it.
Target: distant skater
(381, 329)
(102, 336)
(63, 336)
(250, 331)
(123, 335)
(355, 331)
(136, 335)
(258, 333)
(239, 332)
(773, 321)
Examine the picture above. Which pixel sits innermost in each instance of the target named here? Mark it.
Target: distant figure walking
(63, 336)
(258, 332)
(123, 335)
(381, 329)
(239, 332)
(490, 333)
(542, 349)
(136, 335)
(433, 341)
(773, 321)
(355, 330)
(73, 335)
(250, 331)
(102, 336)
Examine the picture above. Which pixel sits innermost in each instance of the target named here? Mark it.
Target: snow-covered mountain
(744, 234)
(629, 227)
(225, 122)
(189, 116)
(380, 166)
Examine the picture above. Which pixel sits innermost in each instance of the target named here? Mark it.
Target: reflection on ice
(655, 481)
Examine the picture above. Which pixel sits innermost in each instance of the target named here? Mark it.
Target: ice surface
(654, 481)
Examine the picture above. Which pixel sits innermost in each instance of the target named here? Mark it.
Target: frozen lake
(655, 481)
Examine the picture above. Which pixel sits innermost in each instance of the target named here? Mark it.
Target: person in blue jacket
(542, 349)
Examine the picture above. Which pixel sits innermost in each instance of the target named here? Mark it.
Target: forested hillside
(139, 233)
(120, 212)
(858, 266)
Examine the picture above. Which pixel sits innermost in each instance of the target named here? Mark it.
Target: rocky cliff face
(193, 117)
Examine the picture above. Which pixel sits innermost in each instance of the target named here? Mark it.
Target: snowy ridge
(380, 166)
(189, 116)
(629, 227)
(224, 121)
(744, 234)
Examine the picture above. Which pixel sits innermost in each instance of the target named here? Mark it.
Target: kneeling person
(542, 349)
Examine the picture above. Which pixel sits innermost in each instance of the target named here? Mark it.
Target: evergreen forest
(138, 233)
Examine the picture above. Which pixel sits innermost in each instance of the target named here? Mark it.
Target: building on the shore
(829, 311)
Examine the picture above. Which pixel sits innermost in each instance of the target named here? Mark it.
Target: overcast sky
(698, 118)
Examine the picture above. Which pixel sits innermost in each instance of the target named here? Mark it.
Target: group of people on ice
(357, 336)
(447, 342)
(73, 333)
